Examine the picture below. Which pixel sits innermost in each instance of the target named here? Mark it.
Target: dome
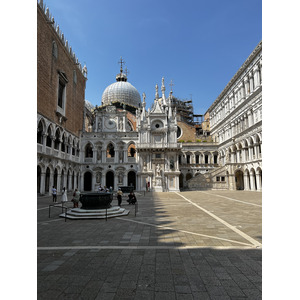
(123, 92)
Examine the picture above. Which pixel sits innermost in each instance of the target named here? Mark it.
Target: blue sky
(199, 45)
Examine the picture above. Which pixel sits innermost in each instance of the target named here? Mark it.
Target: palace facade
(121, 143)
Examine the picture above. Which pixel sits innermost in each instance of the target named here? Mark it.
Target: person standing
(119, 196)
(76, 197)
(54, 192)
(64, 197)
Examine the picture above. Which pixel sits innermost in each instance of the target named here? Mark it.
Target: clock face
(110, 123)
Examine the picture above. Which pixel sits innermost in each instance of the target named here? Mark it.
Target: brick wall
(47, 78)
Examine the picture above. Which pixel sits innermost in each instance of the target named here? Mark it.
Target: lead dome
(121, 91)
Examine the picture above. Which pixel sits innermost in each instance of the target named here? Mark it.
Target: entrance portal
(87, 181)
(239, 180)
(132, 179)
(110, 179)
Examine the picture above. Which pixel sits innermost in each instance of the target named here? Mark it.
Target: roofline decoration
(237, 74)
(61, 37)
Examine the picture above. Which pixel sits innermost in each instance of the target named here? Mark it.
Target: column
(42, 185)
(246, 182)
(116, 160)
(51, 182)
(58, 182)
(81, 181)
(256, 76)
(252, 182)
(69, 187)
(94, 155)
(44, 142)
(247, 87)
(251, 82)
(258, 181)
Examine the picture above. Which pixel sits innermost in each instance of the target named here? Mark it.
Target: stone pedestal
(158, 184)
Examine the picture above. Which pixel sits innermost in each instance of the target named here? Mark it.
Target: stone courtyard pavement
(185, 245)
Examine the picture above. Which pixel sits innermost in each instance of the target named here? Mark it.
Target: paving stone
(121, 272)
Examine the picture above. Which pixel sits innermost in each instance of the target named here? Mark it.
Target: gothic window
(61, 93)
(63, 145)
(57, 141)
(54, 49)
(40, 133)
(49, 141)
(179, 159)
(197, 158)
(74, 77)
(77, 150)
(88, 150)
(61, 88)
(73, 148)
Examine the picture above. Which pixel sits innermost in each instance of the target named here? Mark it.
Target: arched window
(73, 148)
(49, 140)
(88, 150)
(63, 145)
(131, 150)
(110, 151)
(57, 141)
(54, 50)
(40, 133)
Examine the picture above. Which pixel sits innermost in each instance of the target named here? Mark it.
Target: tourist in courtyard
(64, 197)
(119, 196)
(76, 197)
(54, 194)
(131, 198)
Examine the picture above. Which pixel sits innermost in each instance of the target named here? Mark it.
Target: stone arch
(253, 183)
(49, 136)
(88, 150)
(131, 178)
(131, 150)
(239, 179)
(110, 150)
(110, 179)
(87, 181)
(41, 131)
(188, 176)
(57, 140)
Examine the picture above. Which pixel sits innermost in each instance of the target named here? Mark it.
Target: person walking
(64, 197)
(54, 192)
(119, 196)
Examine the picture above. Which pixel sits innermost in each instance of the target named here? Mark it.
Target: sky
(197, 44)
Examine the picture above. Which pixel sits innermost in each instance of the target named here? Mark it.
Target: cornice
(237, 75)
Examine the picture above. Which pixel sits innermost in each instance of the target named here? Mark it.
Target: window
(197, 159)
(61, 88)
(188, 159)
(54, 49)
(61, 93)
(88, 151)
(215, 159)
(206, 158)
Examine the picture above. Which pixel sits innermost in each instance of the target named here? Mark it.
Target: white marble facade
(129, 145)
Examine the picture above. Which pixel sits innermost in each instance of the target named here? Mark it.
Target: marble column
(42, 184)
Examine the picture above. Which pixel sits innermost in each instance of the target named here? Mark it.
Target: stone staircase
(78, 213)
(207, 181)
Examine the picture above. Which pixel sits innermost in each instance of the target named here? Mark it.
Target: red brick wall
(47, 78)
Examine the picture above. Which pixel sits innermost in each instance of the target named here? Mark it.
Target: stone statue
(157, 170)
